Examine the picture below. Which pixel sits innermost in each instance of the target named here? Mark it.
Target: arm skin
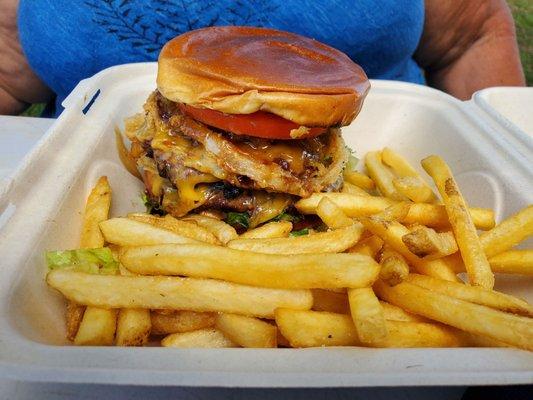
(19, 85)
(468, 45)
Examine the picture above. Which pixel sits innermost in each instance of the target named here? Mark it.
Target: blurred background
(523, 16)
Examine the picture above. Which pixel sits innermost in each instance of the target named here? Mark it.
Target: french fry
(203, 338)
(414, 189)
(476, 263)
(74, 317)
(180, 321)
(128, 232)
(174, 293)
(335, 241)
(347, 187)
(222, 231)
(300, 271)
(326, 300)
(97, 327)
(394, 268)
(358, 179)
(281, 340)
(369, 246)
(247, 331)
(422, 213)
(395, 313)
(182, 228)
(96, 211)
(381, 176)
(133, 327)
(367, 315)
(427, 243)
(269, 230)
(315, 329)
(403, 169)
(473, 294)
(513, 262)
(332, 215)
(508, 233)
(474, 318)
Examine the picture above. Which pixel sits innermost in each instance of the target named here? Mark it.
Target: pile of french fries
(384, 274)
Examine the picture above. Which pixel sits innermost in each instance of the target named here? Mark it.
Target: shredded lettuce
(238, 219)
(351, 165)
(152, 207)
(301, 232)
(92, 261)
(285, 216)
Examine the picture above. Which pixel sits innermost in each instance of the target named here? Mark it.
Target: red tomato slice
(258, 124)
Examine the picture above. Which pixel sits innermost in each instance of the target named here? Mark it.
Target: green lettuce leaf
(236, 219)
(301, 232)
(92, 261)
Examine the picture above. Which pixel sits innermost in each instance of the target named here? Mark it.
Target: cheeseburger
(244, 122)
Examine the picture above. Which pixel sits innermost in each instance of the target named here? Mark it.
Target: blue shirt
(69, 40)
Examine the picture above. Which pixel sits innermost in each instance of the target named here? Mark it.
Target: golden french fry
(326, 300)
(476, 263)
(395, 313)
(427, 243)
(369, 246)
(96, 211)
(203, 338)
(367, 315)
(128, 232)
(332, 215)
(422, 213)
(180, 321)
(473, 318)
(98, 325)
(133, 327)
(247, 331)
(394, 268)
(335, 241)
(358, 179)
(473, 294)
(508, 233)
(513, 262)
(315, 329)
(381, 176)
(414, 189)
(222, 231)
(300, 271)
(182, 228)
(402, 168)
(347, 187)
(269, 230)
(74, 317)
(174, 293)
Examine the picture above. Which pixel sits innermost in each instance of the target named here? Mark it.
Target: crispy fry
(513, 262)
(473, 294)
(97, 327)
(332, 215)
(473, 318)
(427, 243)
(180, 321)
(133, 327)
(224, 232)
(96, 211)
(314, 329)
(347, 187)
(267, 270)
(414, 189)
(247, 331)
(394, 268)
(326, 300)
(367, 315)
(203, 338)
(508, 233)
(424, 214)
(269, 230)
(182, 228)
(128, 232)
(74, 317)
(358, 179)
(395, 313)
(175, 293)
(477, 265)
(369, 246)
(381, 176)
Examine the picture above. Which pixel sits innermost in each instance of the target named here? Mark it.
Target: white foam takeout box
(40, 209)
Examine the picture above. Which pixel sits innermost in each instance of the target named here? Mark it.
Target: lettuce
(92, 261)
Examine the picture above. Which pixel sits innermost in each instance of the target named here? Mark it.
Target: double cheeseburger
(245, 120)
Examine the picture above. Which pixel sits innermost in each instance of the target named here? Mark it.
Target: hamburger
(244, 122)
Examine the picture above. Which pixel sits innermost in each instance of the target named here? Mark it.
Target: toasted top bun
(241, 70)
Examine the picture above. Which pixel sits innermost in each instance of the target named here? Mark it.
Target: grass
(523, 16)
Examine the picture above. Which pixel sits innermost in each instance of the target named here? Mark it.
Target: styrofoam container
(41, 208)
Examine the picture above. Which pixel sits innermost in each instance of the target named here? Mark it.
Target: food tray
(40, 209)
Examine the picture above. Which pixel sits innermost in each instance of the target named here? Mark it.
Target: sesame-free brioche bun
(241, 70)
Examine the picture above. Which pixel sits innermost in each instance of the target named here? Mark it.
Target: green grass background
(523, 15)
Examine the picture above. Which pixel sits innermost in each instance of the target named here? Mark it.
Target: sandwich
(244, 122)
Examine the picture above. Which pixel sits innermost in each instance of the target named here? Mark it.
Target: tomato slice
(258, 124)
